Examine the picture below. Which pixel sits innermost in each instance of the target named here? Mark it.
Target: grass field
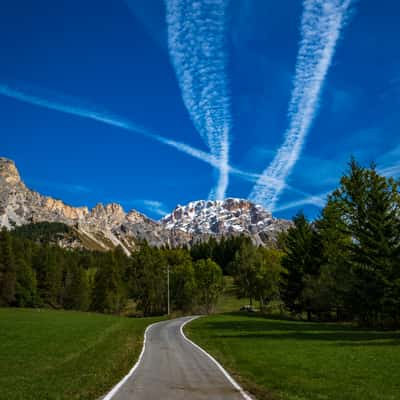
(289, 360)
(65, 355)
(228, 301)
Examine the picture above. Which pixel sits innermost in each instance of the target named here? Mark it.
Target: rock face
(224, 218)
(105, 227)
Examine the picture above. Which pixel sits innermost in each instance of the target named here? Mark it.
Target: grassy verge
(65, 355)
(289, 360)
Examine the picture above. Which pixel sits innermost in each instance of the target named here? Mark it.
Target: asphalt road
(172, 368)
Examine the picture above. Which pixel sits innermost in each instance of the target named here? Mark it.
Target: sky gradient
(107, 102)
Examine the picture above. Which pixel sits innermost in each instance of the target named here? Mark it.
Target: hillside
(105, 227)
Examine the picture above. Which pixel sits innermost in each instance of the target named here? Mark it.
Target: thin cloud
(154, 206)
(64, 187)
(196, 42)
(69, 106)
(321, 25)
(319, 200)
(391, 171)
(72, 107)
(315, 200)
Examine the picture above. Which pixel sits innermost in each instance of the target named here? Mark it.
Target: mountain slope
(105, 227)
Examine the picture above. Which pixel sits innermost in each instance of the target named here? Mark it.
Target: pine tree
(26, 285)
(7, 270)
(301, 260)
(48, 274)
(336, 281)
(108, 295)
(148, 280)
(370, 208)
(76, 294)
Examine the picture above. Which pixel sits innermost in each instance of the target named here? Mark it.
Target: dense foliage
(345, 265)
(348, 261)
(34, 273)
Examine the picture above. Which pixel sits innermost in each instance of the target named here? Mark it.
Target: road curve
(173, 368)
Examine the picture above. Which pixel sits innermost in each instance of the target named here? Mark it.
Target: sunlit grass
(303, 361)
(65, 355)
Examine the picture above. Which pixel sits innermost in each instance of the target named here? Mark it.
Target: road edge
(115, 389)
(227, 375)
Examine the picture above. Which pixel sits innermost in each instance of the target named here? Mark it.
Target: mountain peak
(223, 217)
(8, 172)
(106, 226)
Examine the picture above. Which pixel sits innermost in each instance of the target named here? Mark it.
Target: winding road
(172, 367)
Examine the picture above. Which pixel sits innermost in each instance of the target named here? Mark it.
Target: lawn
(290, 360)
(65, 355)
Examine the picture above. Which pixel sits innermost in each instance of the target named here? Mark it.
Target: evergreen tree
(26, 285)
(333, 289)
(7, 270)
(48, 274)
(370, 208)
(108, 295)
(302, 258)
(76, 296)
(148, 280)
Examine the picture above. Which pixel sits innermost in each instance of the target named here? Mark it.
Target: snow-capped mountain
(105, 227)
(226, 217)
(102, 228)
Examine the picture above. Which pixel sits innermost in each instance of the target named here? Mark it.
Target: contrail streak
(92, 113)
(321, 25)
(318, 200)
(104, 117)
(196, 42)
(107, 118)
(391, 171)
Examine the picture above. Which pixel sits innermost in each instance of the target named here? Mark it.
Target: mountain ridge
(110, 225)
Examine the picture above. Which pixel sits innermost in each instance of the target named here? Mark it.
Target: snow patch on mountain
(224, 217)
(107, 226)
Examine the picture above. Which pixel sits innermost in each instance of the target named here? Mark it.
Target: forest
(344, 265)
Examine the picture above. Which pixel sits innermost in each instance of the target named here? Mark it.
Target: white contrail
(105, 117)
(391, 171)
(318, 200)
(321, 24)
(196, 42)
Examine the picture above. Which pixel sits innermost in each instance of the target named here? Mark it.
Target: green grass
(290, 360)
(65, 355)
(228, 301)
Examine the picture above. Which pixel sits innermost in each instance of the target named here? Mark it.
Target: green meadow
(290, 360)
(60, 355)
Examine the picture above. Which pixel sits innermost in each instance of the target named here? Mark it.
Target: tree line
(347, 262)
(344, 265)
(36, 273)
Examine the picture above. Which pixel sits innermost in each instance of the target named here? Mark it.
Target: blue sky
(95, 106)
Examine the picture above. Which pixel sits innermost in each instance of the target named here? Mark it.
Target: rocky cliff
(107, 226)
